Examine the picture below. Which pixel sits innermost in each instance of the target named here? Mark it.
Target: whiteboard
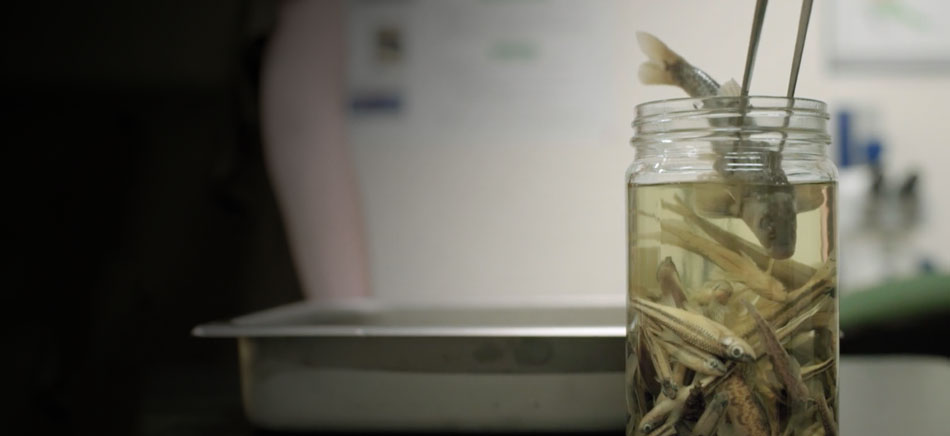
(889, 35)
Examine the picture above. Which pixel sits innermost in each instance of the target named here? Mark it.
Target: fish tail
(654, 71)
(653, 74)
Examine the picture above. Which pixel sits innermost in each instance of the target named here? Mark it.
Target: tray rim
(260, 324)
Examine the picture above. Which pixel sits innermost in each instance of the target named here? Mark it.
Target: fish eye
(648, 427)
(735, 352)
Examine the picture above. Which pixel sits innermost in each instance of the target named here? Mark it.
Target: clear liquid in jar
(678, 380)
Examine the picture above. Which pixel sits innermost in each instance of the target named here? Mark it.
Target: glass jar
(732, 304)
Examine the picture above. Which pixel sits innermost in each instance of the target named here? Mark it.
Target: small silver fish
(761, 194)
(696, 330)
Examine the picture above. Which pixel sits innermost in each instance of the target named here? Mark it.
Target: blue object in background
(376, 103)
(844, 139)
(873, 152)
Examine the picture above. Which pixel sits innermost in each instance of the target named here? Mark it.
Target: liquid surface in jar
(722, 336)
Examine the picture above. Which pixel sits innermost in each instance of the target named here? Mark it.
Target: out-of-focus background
(509, 137)
(487, 143)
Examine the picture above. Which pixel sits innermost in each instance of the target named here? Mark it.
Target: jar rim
(759, 122)
(756, 101)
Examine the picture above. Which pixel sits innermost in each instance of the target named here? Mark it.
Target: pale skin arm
(304, 113)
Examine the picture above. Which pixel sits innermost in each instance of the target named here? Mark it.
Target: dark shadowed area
(140, 208)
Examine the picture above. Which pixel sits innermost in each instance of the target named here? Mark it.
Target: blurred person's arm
(303, 109)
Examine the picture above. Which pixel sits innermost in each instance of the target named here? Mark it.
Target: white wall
(508, 178)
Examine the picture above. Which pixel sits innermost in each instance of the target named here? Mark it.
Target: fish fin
(716, 202)
(730, 89)
(794, 367)
(648, 215)
(654, 72)
(655, 49)
(670, 337)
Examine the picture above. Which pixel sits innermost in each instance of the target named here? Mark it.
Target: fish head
(648, 427)
(721, 291)
(772, 217)
(669, 388)
(716, 366)
(738, 349)
(666, 268)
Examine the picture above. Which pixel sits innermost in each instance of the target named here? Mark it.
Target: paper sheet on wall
(484, 72)
(890, 35)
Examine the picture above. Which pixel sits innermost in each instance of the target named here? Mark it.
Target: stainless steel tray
(511, 365)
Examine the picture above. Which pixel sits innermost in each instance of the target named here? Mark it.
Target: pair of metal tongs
(757, 19)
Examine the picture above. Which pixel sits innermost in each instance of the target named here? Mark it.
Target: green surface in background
(896, 301)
